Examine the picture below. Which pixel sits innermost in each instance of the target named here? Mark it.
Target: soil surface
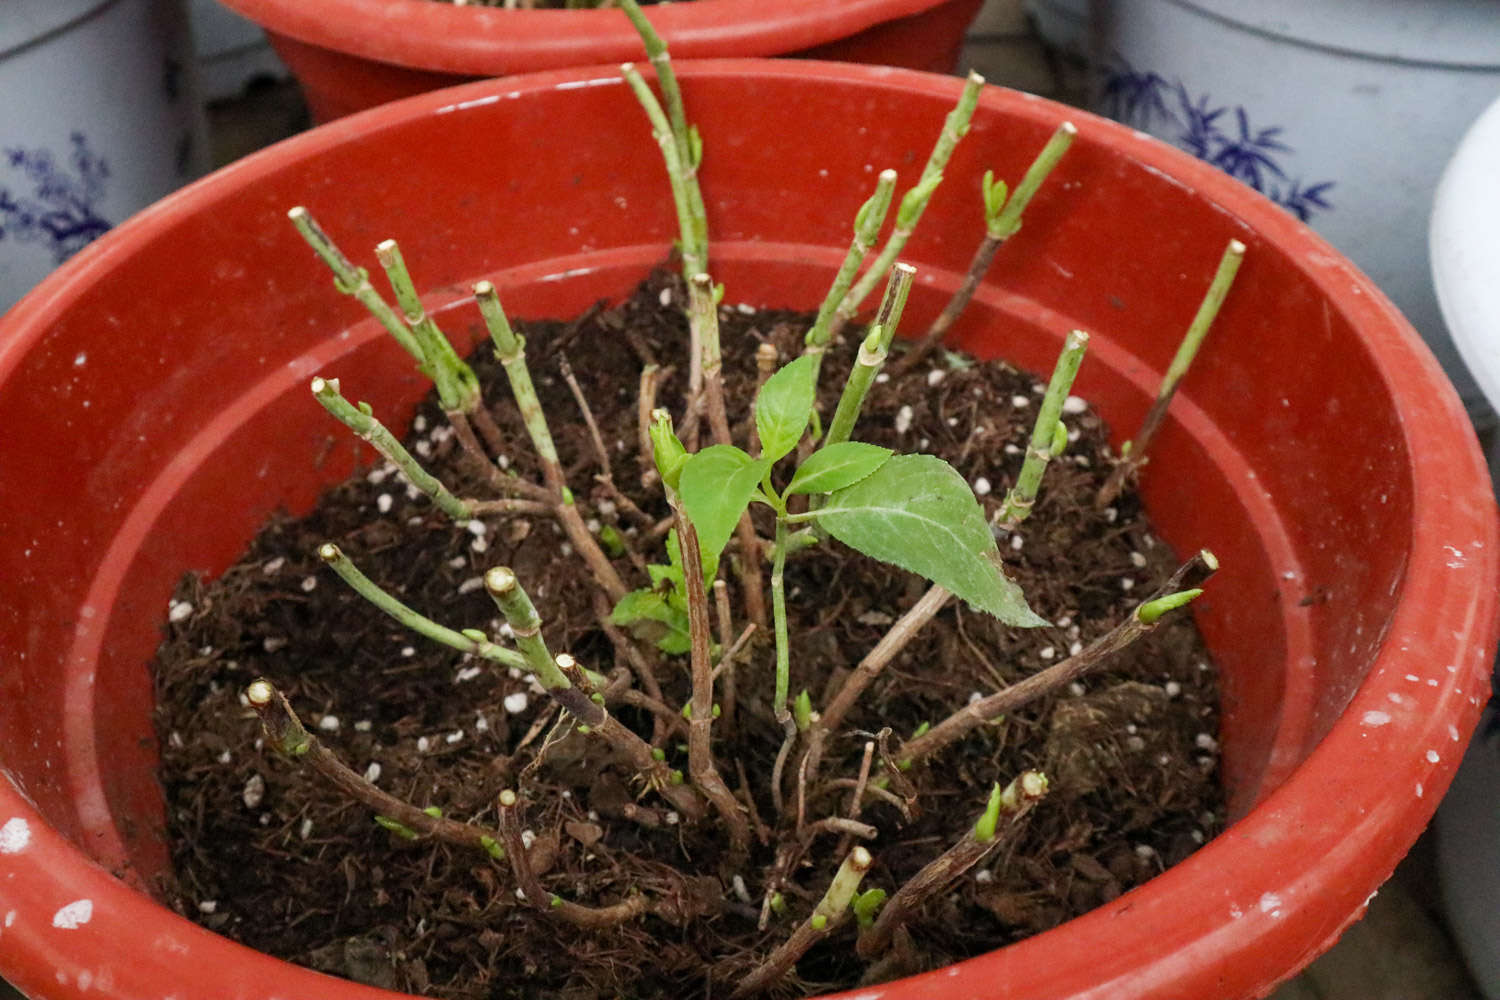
(267, 853)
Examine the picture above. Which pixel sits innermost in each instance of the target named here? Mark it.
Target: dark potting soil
(268, 854)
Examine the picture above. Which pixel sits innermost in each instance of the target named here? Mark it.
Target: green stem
(1004, 224)
(1134, 452)
(1002, 218)
(510, 348)
(553, 672)
(457, 387)
(689, 152)
(363, 423)
(826, 916)
(1044, 436)
(521, 615)
(867, 223)
(914, 202)
(692, 218)
(778, 618)
(872, 355)
(354, 281)
(464, 642)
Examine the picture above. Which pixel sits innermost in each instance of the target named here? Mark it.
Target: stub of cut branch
(1046, 441)
(552, 672)
(1133, 456)
(701, 766)
(825, 917)
(1090, 658)
(536, 896)
(937, 875)
(353, 281)
(468, 641)
(286, 734)
(362, 422)
(1000, 223)
(913, 202)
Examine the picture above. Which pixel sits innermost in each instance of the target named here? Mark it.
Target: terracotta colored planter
(350, 55)
(154, 393)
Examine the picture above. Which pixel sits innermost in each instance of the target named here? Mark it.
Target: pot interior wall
(167, 413)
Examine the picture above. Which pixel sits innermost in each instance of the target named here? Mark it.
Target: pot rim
(489, 41)
(1232, 903)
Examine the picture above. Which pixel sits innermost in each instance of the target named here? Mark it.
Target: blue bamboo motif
(1220, 134)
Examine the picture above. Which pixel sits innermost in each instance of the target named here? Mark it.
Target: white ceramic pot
(1465, 247)
(1343, 111)
(232, 52)
(100, 119)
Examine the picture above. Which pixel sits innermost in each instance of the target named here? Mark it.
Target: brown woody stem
(985, 710)
(286, 734)
(941, 872)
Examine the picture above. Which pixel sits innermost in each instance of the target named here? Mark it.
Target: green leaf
(837, 466)
(715, 487)
(916, 512)
(784, 405)
(649, 616)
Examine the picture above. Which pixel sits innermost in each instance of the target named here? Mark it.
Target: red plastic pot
(350, 55)
(154, 395)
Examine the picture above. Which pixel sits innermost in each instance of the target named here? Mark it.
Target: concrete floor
(1401, 949)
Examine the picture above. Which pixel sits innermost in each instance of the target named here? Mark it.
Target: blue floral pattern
(52, 206)
(1220, 134)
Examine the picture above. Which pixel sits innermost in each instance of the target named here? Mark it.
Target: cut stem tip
(260, 693)
(500, 580)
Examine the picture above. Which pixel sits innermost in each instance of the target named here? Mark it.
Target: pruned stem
(986, 709)
(701, 765)
(935, 877)
(1002, 219)
(645, 404)
(701, 301)
(872, 354)
(470, 641)
(591, 917)
(354, 281)
(510, 348)
(887, 649)
(1048, 437)
(913, 203)
(457, 387)
(867, 223)
(551, 673)
(689, 151)
(362, 422)
(826, 916)
(1134, 453)
(286, 734)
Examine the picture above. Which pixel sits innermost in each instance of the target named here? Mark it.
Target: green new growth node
(802, 711)
(492, 847)
(984, 830)
(399, 829)
(866, 905)
(1151, 611)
